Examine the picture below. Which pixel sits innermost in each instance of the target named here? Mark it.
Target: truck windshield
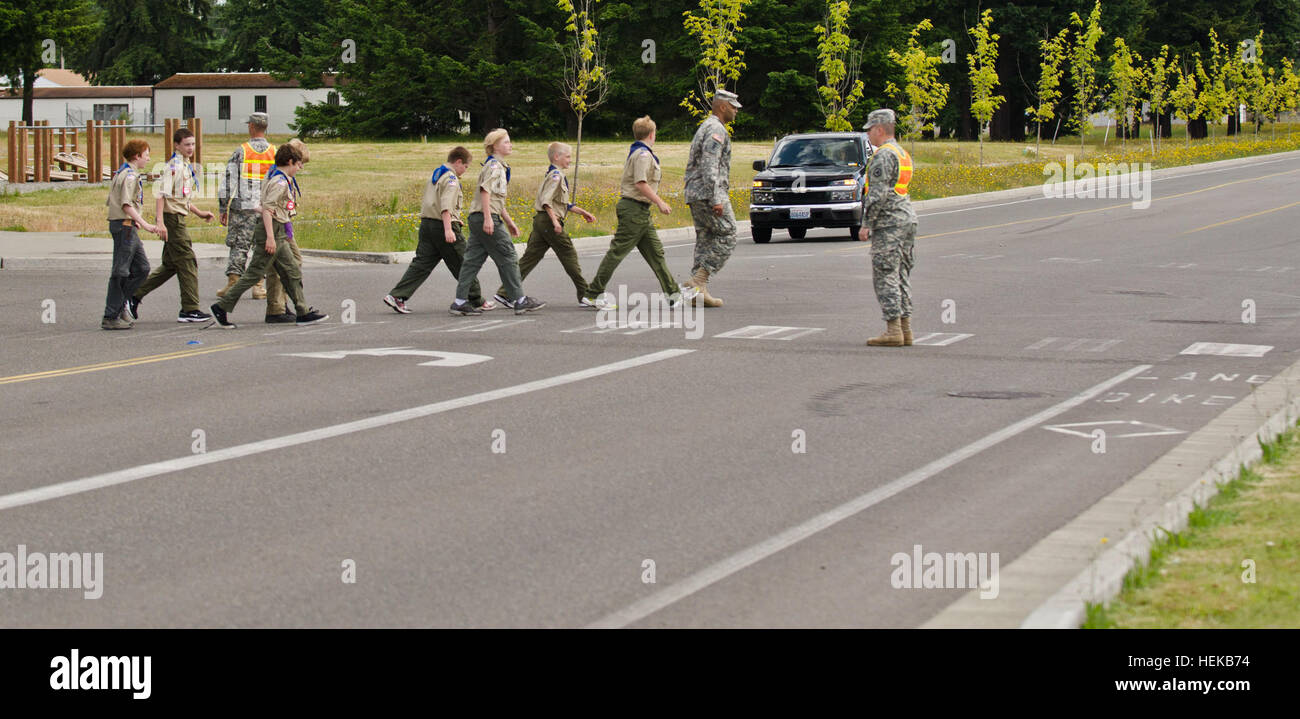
(813, 151)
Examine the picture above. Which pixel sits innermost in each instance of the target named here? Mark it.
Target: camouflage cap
(883, 116)
(260, 119)
(728, 96)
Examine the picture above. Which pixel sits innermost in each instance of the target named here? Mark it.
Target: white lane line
(758, 552)
(940, 339)
(87, 484)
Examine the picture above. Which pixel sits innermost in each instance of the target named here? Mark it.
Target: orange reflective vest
(904, 168)
(257, 164)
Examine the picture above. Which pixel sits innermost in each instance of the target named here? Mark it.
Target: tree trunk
(1197, 129)
(29, 81)
(577, 162)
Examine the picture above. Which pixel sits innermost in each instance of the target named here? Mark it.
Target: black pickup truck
(812, 180)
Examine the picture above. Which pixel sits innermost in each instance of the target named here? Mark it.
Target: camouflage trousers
(240, 225)
(715, 236)
(892, 259)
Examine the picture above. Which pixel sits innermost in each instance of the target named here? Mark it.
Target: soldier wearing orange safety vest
(239, 198)
(890, 224)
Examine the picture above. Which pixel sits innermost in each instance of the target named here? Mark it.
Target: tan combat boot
(701, 282)
(230, 282)
(259, 289)
(893, 336)
(905, 323)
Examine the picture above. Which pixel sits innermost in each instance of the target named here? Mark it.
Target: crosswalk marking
(940, 339)
(769, 332)
(1226, 350)
(1073, 344)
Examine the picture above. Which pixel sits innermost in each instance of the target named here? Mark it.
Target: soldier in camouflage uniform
(890, 224)
(708, 184)
(238, 199)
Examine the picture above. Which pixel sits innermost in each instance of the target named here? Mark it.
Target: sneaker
(114, 323)
(503, 301)
(397, 304)
(286, 318)
(487, 306)
(599, 303)
(125, 314)
(133, 308)
(220, 316)
(311, 318)
(527, 304)
(464, 308)
(675, 300)
(193, 316)
(689, 292)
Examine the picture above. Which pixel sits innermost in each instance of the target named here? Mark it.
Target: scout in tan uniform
(271, 249)
(441, 239)
(552, 207)
(176, 190)
(639, 186)
(130, 266)
(276, 298)
(488, 237)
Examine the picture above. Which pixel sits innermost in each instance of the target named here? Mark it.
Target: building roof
(90, 91)
(62, 78)
(229, 80)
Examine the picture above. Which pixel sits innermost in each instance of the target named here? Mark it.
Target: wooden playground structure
(42, 153)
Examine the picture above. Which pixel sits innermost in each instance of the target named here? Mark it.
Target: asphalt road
(536, 487)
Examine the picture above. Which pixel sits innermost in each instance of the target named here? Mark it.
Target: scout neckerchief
(490, 158)
(638, 144)
(292, 182)
(553, 168)
(438, 173)
(194, 175)
(139, 182)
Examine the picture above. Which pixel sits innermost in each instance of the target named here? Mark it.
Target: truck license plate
(800, 213)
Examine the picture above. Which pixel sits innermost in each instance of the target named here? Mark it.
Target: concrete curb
(102, 261)
(1049, 586)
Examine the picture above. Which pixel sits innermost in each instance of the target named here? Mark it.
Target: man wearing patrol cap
(708, 184)
(239, 198)
(890, 224)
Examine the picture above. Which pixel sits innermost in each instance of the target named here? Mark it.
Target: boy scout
(708, 181)
(237, 198)
(271, 250)
(440, 234)
(176, 188)
(639, 188)
(552, 206)
(487, 236)
(276, 298)
(890, 224)
(130, 266)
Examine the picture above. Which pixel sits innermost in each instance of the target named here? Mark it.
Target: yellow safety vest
(257, 164)
(904, 168)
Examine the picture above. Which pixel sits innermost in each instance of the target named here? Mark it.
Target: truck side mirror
(760, 165)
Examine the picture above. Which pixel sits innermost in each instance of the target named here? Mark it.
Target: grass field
(366, 195)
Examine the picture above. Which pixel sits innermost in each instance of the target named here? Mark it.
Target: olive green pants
(282, 263)
(177, 259)
(543, 238)
(635, 230)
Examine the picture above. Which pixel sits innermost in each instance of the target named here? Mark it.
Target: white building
(223, 100)
(76, 104)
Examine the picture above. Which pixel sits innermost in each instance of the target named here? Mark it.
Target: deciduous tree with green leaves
(1185, 99)
(716, 28)
(923, 94)
(1083, 69)
(585, 81)
(1048, 91)
(984, 75)
(1158, 73)
(27, 25)
(1126, 81)
(1213, 99)
(838, 62)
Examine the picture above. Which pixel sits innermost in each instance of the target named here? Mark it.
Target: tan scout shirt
(177, 186)
(443, 195)
(554, 192)
(640, 166)
(127, 189)
(277, 197)
(492, 178)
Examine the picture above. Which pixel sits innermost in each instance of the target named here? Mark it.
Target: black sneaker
(286, 318)
(464, 308)
(193, 316)
(133, 307)
(527, 304)
(220, 315)
(311, 318)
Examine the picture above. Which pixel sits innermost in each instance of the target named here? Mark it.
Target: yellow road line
(130, 362)
(1085, 212)
(1243, 217)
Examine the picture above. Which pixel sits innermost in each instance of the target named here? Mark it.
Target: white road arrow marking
(442, 359)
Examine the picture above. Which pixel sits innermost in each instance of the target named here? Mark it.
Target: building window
(187, 107)
(259, 103)
(104, 113)
(332, 98)
(223, 107)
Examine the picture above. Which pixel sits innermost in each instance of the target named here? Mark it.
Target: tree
(984, 74)
(36, 33)
(1083, 62)
(1183, 99)
(1048, 92)
(1287, 93)
(1126, 80)
(923, 94)
(1158, 90)
(586, 84)
(143, 42)
(249, 29)
(839, 63)
(715, 28)
(1214, 98)
(1254, 79)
